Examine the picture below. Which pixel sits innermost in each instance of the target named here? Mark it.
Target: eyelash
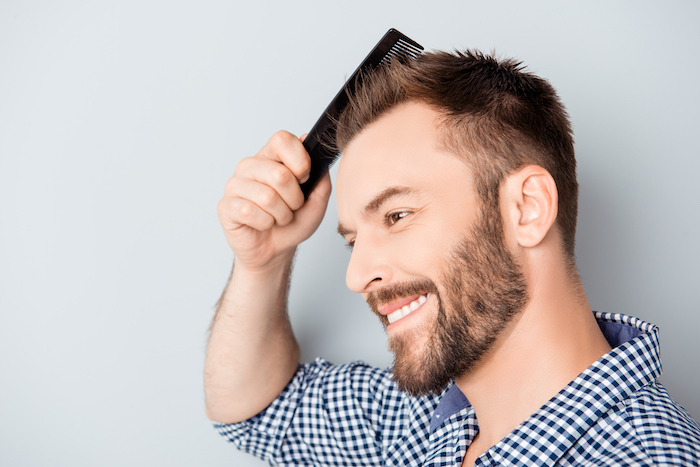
(390, 219)
(393, 217)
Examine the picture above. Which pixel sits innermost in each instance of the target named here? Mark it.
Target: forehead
(400, 149)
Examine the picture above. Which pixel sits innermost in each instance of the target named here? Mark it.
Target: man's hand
(252, 352)
(263, 212)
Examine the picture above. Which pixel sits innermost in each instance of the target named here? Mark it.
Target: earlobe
(534, 200)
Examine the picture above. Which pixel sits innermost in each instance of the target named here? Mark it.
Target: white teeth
(405, 310)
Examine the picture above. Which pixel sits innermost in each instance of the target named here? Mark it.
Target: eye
(393, 217)
(350, 245)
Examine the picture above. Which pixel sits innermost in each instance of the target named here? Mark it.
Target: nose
(368, 269)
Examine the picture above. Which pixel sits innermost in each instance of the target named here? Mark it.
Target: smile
(407, 309)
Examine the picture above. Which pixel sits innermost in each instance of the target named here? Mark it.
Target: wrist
(278, 266)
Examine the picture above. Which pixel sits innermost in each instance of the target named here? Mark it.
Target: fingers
(286, 148)
(268, 173)
(264, 190)
(235, 213)
(265, 198)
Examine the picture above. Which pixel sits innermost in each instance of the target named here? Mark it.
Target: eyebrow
(375, 203)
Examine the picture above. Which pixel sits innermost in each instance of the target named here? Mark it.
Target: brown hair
(495, 115)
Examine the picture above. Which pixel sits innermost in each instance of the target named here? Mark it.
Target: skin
(402, 204)
(434, 208)
(546, 345)
(252, 353)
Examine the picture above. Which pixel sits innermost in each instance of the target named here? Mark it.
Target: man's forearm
(252, 353)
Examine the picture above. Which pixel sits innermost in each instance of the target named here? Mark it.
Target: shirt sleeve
(327, 415)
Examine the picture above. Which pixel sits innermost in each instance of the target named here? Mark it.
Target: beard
(478, 293)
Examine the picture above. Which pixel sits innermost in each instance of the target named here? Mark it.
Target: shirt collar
(633, 362)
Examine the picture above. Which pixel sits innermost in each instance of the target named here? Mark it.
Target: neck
(544, 348)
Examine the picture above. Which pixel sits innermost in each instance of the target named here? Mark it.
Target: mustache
(399, 290)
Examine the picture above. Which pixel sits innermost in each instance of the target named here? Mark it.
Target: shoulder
(652, 422)
(354, 410)
(357, 374)
(338, 389)
(662, 426)
(321, 382)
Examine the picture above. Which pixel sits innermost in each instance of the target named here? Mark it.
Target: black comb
(393, 46)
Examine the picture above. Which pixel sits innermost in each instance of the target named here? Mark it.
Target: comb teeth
(319, 141)
(399, 51)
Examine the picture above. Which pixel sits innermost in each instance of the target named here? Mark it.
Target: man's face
(426, 257)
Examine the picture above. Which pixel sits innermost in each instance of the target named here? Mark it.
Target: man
(457, 193)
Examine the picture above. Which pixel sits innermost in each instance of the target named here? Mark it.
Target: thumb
(312, 212)
(322, 192)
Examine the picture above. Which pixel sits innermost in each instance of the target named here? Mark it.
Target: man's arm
(252, 353)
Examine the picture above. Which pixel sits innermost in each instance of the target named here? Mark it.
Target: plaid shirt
(615, 413)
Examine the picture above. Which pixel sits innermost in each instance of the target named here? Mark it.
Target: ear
(529, 203)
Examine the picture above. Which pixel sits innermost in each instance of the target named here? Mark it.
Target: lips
(407, 309)
(398, 300)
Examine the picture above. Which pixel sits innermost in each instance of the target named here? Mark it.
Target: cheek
(420, 251)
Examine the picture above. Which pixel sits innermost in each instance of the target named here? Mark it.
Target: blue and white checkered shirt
(615, 413)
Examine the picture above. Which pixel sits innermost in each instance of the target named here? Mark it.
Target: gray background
(120, 122)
